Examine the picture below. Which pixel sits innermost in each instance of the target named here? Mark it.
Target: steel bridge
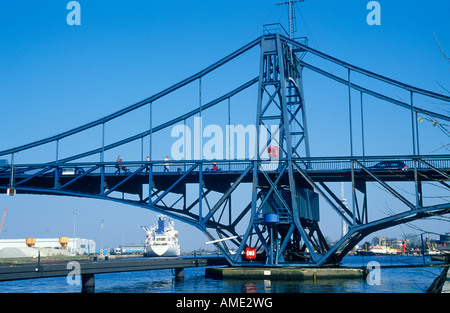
(280, 222)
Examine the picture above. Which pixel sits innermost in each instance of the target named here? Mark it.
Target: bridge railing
(441, 162)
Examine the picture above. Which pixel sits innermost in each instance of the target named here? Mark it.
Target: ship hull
(162, 251)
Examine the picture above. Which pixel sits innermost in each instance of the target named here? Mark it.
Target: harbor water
(390, 280)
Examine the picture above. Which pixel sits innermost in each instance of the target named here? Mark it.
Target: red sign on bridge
(250, 253)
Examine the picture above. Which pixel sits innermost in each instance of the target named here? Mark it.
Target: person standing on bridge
(166, 165)
(147, 168)
(118, 166)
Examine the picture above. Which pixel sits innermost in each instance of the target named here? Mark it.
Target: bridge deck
(132, 183)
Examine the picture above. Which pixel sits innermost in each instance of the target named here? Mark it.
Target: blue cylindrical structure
(271, 218)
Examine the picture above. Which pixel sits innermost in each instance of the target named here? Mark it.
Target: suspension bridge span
(280, 222)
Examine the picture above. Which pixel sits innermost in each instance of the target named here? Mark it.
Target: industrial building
(73, 245)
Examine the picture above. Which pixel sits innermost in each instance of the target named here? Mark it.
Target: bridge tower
(284, 214)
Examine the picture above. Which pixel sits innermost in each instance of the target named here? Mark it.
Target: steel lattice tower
(285, 217)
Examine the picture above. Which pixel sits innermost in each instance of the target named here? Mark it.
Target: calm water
(395, 280)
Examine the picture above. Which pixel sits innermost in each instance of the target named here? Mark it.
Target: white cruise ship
(162, 240)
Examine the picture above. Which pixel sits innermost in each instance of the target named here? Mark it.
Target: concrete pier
(283, 273)
(87, 283)
(179, 274)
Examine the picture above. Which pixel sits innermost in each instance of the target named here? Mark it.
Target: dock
(284, 273)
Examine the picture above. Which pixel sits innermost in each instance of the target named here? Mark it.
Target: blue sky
(54, 77)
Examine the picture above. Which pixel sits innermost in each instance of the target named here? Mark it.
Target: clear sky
(55, 76)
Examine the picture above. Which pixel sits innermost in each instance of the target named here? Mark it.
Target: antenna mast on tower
(291, 16)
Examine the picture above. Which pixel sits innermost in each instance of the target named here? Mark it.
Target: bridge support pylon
(284, 217)
(88, 283)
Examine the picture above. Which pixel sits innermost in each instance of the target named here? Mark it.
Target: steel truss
(281, 220)
(235, 226)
